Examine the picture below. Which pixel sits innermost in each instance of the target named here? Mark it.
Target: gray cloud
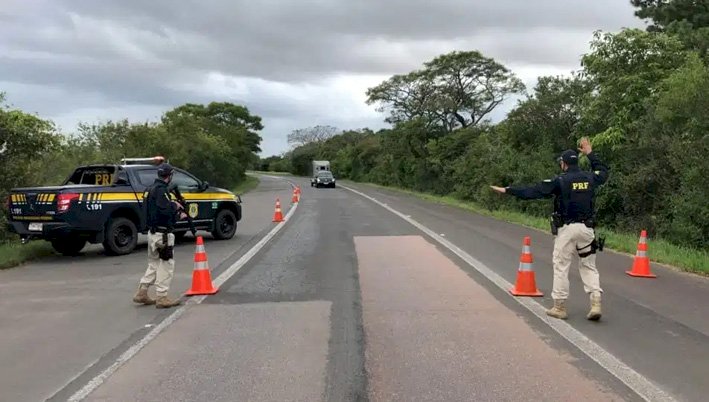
(127, 53)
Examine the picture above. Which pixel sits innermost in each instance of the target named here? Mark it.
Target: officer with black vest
(572, 223)
(161, 213)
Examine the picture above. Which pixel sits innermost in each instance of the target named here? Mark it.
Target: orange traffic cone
(278, 215)
(641, 265)
(201, 277)
(295, 196)
(526, 283)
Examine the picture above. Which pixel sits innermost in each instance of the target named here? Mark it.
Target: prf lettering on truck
(103, 179)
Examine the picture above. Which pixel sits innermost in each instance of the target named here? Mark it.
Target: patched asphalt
(313, 262)
(300, 322)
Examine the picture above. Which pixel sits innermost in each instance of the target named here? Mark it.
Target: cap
(164, 170)
(569, 156)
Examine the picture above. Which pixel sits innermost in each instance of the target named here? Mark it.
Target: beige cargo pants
(159, 272)
(569, 238)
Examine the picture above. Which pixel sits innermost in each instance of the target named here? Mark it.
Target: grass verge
(660, 250)
(270, 173)
(249, 183)
(15, 253)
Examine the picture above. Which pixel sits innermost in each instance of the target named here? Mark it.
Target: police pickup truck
(104, 204)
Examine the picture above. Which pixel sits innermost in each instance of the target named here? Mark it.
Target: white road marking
(133, 350)
(642, 386)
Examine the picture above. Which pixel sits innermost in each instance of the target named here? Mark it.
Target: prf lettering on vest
(580, 186)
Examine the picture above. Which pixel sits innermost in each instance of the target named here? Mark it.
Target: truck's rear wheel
(68, 245)
(224, 225)
(121, 236)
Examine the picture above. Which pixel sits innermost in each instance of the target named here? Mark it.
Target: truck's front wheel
(224, 225)
(68, 245)
(121, 236)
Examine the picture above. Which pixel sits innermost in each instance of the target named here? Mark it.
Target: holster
(166, 251)
(596, 245)
(555, 222)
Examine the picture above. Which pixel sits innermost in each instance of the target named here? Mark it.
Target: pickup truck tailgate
(33, 205)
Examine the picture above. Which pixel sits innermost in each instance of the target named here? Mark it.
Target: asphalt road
(350, 302)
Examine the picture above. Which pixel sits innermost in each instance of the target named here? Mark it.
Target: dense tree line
(217, 142)
(642, 96)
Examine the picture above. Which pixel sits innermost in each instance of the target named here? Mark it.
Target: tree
(550, 117)
(680, 125)
(665, 12)
(24, 140)
(469, 86)
(405, 96)
(309, 135)
(454, 90)
(626, 69)
(217, 141)
(687, 19)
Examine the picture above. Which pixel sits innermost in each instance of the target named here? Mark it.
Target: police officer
(161, 213)
(573, 222)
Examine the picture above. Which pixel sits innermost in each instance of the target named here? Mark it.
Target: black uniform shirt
(574, 190)
(161, 212)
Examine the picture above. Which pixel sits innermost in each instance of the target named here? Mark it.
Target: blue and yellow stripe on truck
(45, 198)
(42, 199)
(18, 199)
(135, 197)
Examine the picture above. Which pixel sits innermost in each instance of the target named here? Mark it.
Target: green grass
(270, 173)
(14, 253)
(660, 250)
(249, 183)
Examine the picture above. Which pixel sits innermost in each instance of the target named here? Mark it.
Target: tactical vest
(576, 198)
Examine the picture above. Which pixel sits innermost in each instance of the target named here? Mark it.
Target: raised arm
(600, 170)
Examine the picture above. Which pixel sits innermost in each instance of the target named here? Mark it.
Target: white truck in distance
(319, 166)
(321, 175)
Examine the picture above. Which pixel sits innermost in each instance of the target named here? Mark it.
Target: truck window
(147, 176)
(184, 181)
(122, 178)
(95, 176)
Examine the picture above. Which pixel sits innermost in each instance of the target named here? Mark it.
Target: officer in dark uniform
(572, 223)
(161, 213)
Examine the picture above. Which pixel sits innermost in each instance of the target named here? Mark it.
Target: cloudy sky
(294, 63)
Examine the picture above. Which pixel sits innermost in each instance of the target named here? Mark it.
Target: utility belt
(590, 223)
(556, 222)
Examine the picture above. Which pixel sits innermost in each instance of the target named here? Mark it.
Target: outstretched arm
(544, 189)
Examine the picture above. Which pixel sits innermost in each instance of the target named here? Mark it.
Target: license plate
(35, 227)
